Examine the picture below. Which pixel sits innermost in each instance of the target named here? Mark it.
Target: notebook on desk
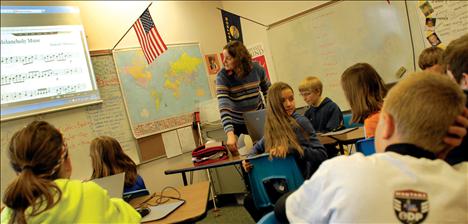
(113, 184)
(255, 122)
(338, 132)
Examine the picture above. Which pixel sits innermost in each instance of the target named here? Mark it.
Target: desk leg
(184, 178)
(212, 189)
(341, 148)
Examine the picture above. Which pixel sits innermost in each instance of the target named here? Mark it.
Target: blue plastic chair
(269, 218)
(366, 146)
(347, 121)
(269, 179)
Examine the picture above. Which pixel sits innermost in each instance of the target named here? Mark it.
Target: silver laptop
(255, 122)
(113, 184)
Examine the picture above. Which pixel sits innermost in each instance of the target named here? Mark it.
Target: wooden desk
(182, 168)
(348, 138)
(194, 208)
(326, 140)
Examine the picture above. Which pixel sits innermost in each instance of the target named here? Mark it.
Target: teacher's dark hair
(241, 56)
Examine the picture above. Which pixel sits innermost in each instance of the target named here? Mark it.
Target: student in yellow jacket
(42, 192)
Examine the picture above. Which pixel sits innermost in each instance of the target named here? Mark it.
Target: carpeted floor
(229, 211)
(228, 214)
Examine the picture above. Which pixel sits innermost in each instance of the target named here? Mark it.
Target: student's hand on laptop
(247, 166)
(457, 131)
(231, 142)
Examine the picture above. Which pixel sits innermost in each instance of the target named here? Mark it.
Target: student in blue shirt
(323, 113)
(108, 159)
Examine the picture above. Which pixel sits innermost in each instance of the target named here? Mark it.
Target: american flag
(150, 40)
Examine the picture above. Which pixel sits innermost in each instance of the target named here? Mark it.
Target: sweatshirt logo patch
(411, 207)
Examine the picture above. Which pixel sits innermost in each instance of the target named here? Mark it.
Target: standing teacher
(238, 87)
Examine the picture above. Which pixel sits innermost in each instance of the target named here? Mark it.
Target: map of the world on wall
(163, 95)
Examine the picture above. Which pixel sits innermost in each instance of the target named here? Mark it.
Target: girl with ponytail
(42, 191)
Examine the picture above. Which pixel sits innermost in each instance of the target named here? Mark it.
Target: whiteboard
(326, 41)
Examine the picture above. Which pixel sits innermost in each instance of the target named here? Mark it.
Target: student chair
(270, 179)
(366, 146)
(347, 121)
(269, 218)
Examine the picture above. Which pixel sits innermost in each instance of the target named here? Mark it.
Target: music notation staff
(42, 92)
(30, 59)
(34, 75)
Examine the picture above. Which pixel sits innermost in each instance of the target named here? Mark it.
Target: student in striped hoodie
(238, 87)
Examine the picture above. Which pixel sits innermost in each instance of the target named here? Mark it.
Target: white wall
(265, 12)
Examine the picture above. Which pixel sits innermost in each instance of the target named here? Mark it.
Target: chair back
(366, 146)
(347, 121)
(270, 179)
(269, 218)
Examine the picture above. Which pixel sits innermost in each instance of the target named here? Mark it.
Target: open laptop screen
(255, 122)
(113, 184)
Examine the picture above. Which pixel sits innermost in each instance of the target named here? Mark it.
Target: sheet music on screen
(45, 62)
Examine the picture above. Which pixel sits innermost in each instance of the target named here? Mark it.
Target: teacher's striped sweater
(236, 96)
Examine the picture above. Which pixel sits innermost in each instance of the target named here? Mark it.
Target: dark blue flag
(232, 26)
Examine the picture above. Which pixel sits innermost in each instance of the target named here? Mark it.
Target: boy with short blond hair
(401, 183)
(323, 113)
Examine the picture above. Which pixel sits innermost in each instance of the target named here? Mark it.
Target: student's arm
(312, 201)
(314, 152)
(110, 210)
(258, 148)
(335, 121)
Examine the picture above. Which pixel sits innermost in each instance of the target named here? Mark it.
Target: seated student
(430, 59)
(42, 191)
(401, 183)
(286, 132)
(364, 89)
(108, 159)
(456, 61)
(323, 113)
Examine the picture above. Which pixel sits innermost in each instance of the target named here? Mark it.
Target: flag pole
(130, 27)
(246, 19)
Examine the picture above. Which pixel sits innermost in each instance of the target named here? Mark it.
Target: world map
(163, 95)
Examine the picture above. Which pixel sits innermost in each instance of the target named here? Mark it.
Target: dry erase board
(79, 126)
(327, 40)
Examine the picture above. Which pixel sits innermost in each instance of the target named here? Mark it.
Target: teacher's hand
(231, 143)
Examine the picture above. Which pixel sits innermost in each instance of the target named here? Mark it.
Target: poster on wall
(442, 21)
(212, 63)
(258, 55)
